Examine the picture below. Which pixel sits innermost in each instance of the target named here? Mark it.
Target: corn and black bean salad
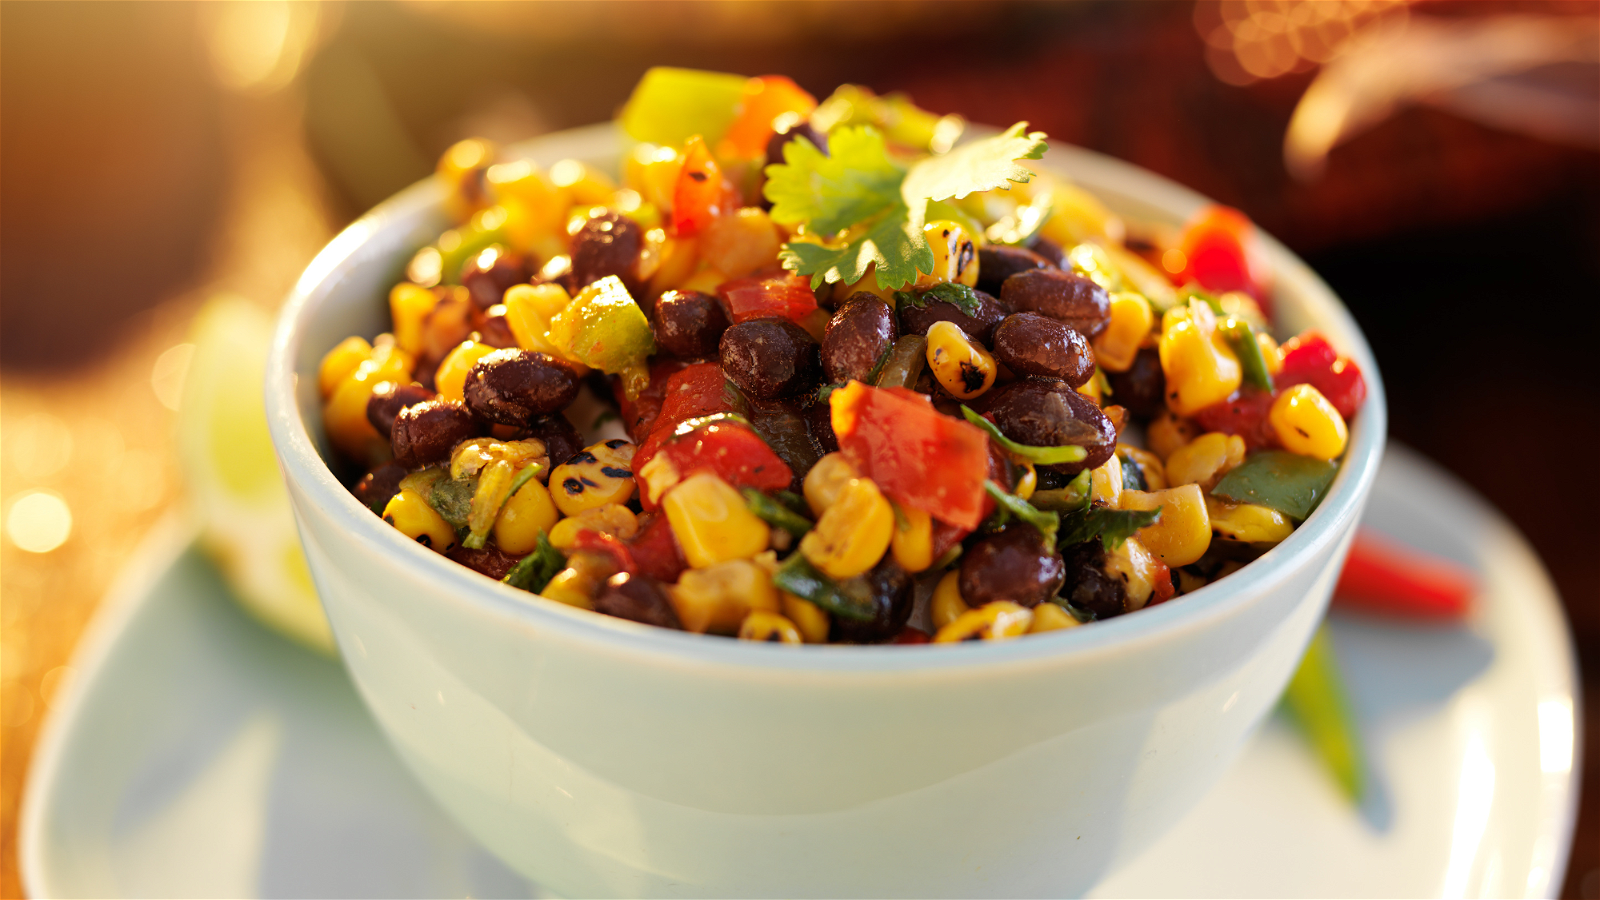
(868, 382)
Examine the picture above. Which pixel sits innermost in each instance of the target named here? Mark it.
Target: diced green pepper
(604, 329)
(670, 105)
(1287, 482)
(458, 245)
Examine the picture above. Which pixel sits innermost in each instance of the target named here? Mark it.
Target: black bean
(495, 330)
(1031, 344)
(1071, 298)
(1015, 565)
(512, 387)
(491, 561)
(770, 358)
(918, 319)
(1050, 250)
(561, 440)
(488, 274)
(378, 487)
(1143, 388)
(893, 594)
(637, 598)
(997, 262)
(787, 132)
(608, 244)
(388, 398)
(819, 419)
(1088, 586)
(858, 335)
(689, 324)
(558, 271)
(425, 433)
(1045, 413)
(782, 424)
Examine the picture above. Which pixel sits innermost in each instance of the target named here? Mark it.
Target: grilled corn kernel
(852, 533)
(955, 256)
(739, 244)
(1271, 352)
(462, 168)
(1205, 459)
(1137, 567)
(411, 515)
(769, 627)
(1247, 522)
(527, 513)
(1183, 532)
(1105, 482)
(719, 597)
(947, 604)
(409, 305)
(961, 364)
(711, 522)
(1027, 482)
(997, 621)
(1050, 617)
(1200, 367)
(1131, 320)
(912, 544)
(826, 480)
(526, 306)
(341, 362)
(345, 415)
(1168, 431)
(613, 519)
(1307, 424)
(1154, 470)
(451, 378)
(808, 618)
(599, 474)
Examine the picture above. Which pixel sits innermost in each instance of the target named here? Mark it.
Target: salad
(866, 381)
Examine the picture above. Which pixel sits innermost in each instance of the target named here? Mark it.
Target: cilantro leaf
(893, 244)
(534, 571)
(1112, 525)
(854, 181)
(1046, 522)
(952, 292)
(979, 166)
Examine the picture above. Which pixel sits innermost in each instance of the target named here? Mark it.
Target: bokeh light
(39, 521)
(1253, 40)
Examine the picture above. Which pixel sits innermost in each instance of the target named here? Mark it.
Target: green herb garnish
(952, 292)
(1011, 504)
(534, 571)
(1287, 482)
(1113, 526)
(1042, 456)
(851, 598)
(1073, 497)
(774, 513)
(452, 500)
(1242, 339)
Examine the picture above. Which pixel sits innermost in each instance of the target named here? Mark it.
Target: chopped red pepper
(1388, 578)
(1164, 589)
(691, 392)
(786, 295)
(655, 549)
(1218, 247)
(909, 635)
(639, 414)
(605, 545)
(730, 449)
(700, 194)
(765, 99)
(1310, 359)
(1244, 414)
(918, 456)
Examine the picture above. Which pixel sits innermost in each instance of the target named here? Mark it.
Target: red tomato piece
(1244, 414)
(909, 635)
(918, 456)
(1384, 577)
(655, 549)
(691, 392)
(1218, 246)
(1309, 359)
(729, 449)
(788, 296)
(605, 545)
(1164, 590)
(945, 535)
(765, 99)
(700, 194)
(639, 414)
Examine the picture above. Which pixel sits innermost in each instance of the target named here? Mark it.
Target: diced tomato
(731, 450)
(655, 549)
(909, 635)
(1387, 578)
(1164, 590)
(1218, 246)
(918, 456)
(691, 392)
(700, 193)
(639, 414)
(944, 535)
(1309, 359)
(1244, 414)
(606, 545)
(765, 99)
(786, 295)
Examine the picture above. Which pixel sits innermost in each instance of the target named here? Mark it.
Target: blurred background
(1436, 162)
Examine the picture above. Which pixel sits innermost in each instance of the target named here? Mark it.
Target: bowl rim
(1101, 175)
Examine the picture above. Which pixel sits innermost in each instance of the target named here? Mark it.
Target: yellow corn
(1105, 482)
(451, 378)
(1200, 367)
(912, 543)
(741, 243)
(341, 362)
(1307, 424)
(411, 515)
(1137, 568)
(533, 208)
(718, 597)
(711, 522)
(653, 172)
(584, 184)
(679, 256)
(1093, 388)
(1079, 216)
(853, 533)
(1050, 617)
(345, 415)
(869, 284)
(1027, 482)
(612, 518)
(1205, 459)
(1183, 532)
(409, 305)
(808, 618)
(997, 621)
(526, 514)
(961, 364)
(1155, 471)
(955, 256)
(1168, 431)
(599, 474)
(705, 279)
(1271, 352)
(947, 604)
(462, 169)
(579, 583)
(1247, 522)
(1131, 320)
(826, 480)
(769, 627)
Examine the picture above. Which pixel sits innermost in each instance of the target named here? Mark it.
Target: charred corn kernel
(1150, 465)
(808, 618)
(526, 514)
(955, 256)
(1105, 482)
(345, 415)
(1050, 617)
(653, 171)
(462, 168)
(1200, 367)
(912, 544)
(1027, 482)
(1271, 352)
(341, 362)
(1131, 321)
(947, 604)
(1247, 522)
(584, 184)
(719, 597)
(961, 364)
(826, 480)
(1168, 431)
(613, 519)
(411, 515)
(409, 305)
(769, 627)
(711, 522)
(599, 474)
(1183, 532)
(853, 532)
(739, 244)
(1205, 459)
(451, 378)
(1137, 567)
(470, 456)
(1307, 424)
(997, 621)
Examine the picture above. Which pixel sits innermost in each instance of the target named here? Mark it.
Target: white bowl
(603, 757)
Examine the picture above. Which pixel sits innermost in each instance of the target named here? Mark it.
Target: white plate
(198, 755)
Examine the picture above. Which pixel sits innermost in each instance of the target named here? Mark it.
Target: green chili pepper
(851, 598)
(774, 513)
(1242, 339)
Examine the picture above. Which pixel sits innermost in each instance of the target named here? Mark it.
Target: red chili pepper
(1244, 414)
(789, 296)
(1385, 577)
(655, 549)
(765, 99)
(1309, 359)
(731, 450)
(699, 195)
(1219, 250)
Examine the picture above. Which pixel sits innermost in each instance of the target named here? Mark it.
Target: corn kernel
(462, 169)
(1027, 482)
(947, 604)
(705, 280)
(1079, 216)
(612, 519)
(1168, 431)
(653, 172)
(679, 256)
(345, 415)
(451, 378)
(1205, 459)
(997, 621)
(409, 305)
(526, 514)
(912, 544)
(808, 618)
(584, 184)
(955, 256)
(1105, 482)
(525, 305)
(1200, 367)
(411, 515)
(1093, 388)
(739, 244)
(1137, 567)
(1155, 471)
(769, 627)
(341, 362)
(1131, 320)
(1307, 424)
(1051, 617)
(572, 587)
(1183, 532)
(597, 475)
(711, 522)
(869, 284)
(826, 480)
(1247, 522)
(961, 364)
(718, 597)
(1271, 352)
(853, 533)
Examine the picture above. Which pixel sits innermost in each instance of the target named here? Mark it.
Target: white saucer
(197, 754)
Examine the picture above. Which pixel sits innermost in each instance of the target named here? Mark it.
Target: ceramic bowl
(603, 757)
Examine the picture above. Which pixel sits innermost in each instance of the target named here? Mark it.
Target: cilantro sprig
(1112, 526)
(952, 292)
